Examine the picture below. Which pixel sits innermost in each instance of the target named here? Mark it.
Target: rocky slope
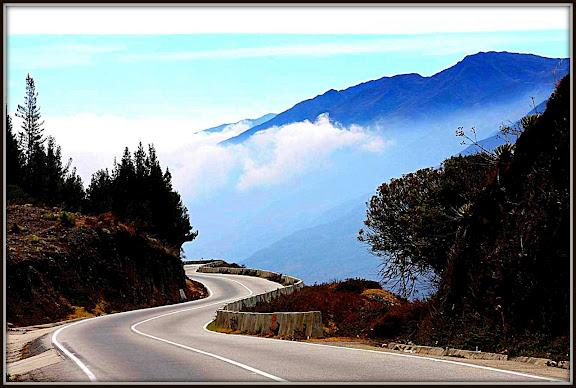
(62, 265)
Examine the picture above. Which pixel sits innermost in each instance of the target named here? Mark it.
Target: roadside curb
(473, 355)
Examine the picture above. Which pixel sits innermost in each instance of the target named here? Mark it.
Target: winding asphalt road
(171, 344)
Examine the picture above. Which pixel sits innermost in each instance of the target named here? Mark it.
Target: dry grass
(80, 312)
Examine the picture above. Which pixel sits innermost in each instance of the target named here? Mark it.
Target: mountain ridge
(461, 86)
(250, 122)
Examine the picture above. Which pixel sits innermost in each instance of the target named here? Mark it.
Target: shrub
(15, 194)
(400, 320)
(67, 219)
(33, 238)
(357, 285)
(344, 313)
(15, 228)
(49, 216)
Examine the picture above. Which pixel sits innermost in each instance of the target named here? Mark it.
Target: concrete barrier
(473, 355)
(284, 325)
(437, 351)
(291, 325)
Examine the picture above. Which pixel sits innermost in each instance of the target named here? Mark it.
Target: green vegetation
(136, 191)
(34, 169)
(494, 228)
(347, 310)
(67, 219)
(413, 220)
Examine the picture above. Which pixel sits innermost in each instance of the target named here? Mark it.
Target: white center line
(229, 361)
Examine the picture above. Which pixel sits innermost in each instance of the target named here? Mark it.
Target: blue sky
(214, 78)
(109, 77)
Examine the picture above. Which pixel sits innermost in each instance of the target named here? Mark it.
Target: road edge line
(551, 379)
(76, 360)
(70, 355)
(221, 358)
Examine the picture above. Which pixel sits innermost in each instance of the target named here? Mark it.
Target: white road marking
(68, 353)
(205, 327)
(92, 377)
(83, 366)
(229, 361)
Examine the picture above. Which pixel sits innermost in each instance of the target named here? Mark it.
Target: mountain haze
(249, 123)
(480, 80)
(312, 221)
(330, 250)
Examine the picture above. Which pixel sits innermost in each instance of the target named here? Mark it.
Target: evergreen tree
(99, 193)
(54, 172)
(138, 191)
(42, 175)
(72, 190)
(14, 157)
(31, 121)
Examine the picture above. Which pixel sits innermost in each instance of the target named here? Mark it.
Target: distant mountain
(478, 81)
(289, 227)
(497, 139)
(247, 123)
(323, 252)
(330, 250)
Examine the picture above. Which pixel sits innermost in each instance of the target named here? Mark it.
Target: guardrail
(282, 324)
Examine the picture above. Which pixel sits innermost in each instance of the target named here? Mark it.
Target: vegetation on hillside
(494, 229)
(34, 167)
(502, 256)
(349, 308)
(62, 265)
(412, 221)
(136, 191)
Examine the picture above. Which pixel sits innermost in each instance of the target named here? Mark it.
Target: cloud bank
(199, 165)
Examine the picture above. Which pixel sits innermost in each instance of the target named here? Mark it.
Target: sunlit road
(171, 344)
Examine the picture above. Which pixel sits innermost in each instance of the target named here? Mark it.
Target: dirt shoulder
(30, 348)
(515, 366)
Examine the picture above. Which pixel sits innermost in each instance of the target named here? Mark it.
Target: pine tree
(31, 121)
(99, 194)
(138, 191)
(14, 157)
(72, 190)
(54, 172)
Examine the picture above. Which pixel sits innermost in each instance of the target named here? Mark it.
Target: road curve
(171, 344)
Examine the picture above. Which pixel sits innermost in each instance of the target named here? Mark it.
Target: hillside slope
(61, 265)
(321, 253)
(330, 250)
(246, 123)
(508, 273)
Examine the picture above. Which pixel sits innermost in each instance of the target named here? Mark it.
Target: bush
(34, 239)
(50, 216)
(357, 285)
(344, 313)
(67, 219)
(15, 228)
(16, 195)
(400, 320)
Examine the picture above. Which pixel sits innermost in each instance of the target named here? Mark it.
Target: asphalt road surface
(171, 344)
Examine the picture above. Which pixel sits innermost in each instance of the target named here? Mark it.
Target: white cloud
(270, 157)
(425, 44)
(199, 165)
(279, 154)
(94, 140)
